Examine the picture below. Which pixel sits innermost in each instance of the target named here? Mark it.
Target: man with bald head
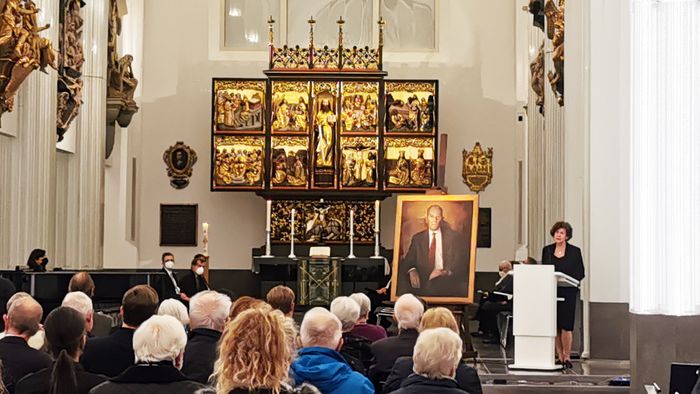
(21, 322)
(437, 261)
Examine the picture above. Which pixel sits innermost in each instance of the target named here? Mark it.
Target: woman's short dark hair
(35, 254)
(566, 226)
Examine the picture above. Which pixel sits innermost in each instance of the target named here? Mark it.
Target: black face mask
(45, 262)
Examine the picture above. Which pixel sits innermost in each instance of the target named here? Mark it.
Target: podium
(535, 315)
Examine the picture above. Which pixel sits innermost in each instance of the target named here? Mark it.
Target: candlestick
(269, 213)
(376, 216)
(291, 245)
(352, 234)
(376, 246)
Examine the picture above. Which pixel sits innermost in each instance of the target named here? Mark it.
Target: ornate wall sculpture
(409, 163)
(240, 106)
(290, 163)
(537, 78)
(328, 220)
(555, 32)
(22, 50)
(477, 168)
(179, 160)
(239, 162)
(70, 63)
(410, 107)
(121, 83)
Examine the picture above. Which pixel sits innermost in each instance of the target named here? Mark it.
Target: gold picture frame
(449, 279)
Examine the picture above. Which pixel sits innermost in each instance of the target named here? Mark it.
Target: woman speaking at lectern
(566, 259)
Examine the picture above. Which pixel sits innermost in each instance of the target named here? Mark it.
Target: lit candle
(376, 216)
(269, 213)
(205, 229)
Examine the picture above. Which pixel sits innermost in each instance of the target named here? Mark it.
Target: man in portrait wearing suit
(437, 261)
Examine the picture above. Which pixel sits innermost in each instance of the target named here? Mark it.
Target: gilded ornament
(290, 107)
(179, 160)
(239, 162)
(70, 64)
(239, 106)
(121, 82)
(327, 221)
(555, 31)
(537, 77)
(410, 107)
(477, 169)
(359, 110)
(290, 158)
(409, 163)
(358, 162)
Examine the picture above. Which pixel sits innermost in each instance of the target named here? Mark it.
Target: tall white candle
(293, 212)
(352, 223)
(376, 216)
(205, 229)
(269, 213)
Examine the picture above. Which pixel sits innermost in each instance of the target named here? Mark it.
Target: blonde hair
(438, 317)
(437, 353)
(254, 352)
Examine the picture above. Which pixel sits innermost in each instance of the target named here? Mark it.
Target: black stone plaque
(178, 225)
(483, 232)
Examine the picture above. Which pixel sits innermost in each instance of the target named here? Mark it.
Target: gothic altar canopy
(324, 123)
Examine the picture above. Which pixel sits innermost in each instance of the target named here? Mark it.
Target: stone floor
(590, 376)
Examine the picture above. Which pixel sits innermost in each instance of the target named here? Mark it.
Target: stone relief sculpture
(22, 50)
(70, 63)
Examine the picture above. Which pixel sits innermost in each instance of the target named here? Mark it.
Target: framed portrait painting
(435, 248)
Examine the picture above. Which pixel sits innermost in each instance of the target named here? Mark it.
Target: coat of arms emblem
(179, 160)
(477, 169)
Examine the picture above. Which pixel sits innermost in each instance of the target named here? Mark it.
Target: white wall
(476, 68)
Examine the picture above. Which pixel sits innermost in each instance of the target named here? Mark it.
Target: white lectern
(535, 315)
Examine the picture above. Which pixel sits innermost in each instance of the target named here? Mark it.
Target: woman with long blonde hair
(254, 354)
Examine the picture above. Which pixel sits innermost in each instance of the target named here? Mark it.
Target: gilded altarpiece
(322, 222)
(239, 106)
(239, 162)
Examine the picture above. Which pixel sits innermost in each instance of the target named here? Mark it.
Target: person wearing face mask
(496, 303)
(166, 284)
(193, 282)
(37, 260)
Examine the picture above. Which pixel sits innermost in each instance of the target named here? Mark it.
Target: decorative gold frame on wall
(477, 168)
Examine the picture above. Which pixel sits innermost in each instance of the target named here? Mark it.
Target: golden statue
(419, 171)
(399, 175)
(300, 117)
(325, 120)
(297, 177)
(281, 116)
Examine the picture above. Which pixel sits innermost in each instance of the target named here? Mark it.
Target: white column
(80, 182)
(27, 162)
(665, 158)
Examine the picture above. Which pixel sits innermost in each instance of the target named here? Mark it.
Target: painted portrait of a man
(435, 247)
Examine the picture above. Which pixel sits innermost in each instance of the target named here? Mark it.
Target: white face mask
(199, 271)
(169, 264)
(502, 274)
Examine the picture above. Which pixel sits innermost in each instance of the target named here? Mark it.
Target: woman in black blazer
(566, 259)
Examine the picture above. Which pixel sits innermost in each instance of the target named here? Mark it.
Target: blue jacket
(329, 372)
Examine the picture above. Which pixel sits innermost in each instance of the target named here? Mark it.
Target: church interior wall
(475, 64)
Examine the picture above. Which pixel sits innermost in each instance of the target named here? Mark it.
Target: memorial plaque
(178, 225)
(483, 232)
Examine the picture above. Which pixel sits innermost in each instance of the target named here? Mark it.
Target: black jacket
(110, 355)
(387, 350)
(159, 378)
(467, 378)
(571, 264)
(20, 360)
(357, 351)
(7, 290)
(164, 285)
(191, 283)
(200, 354)
(416, 384)
(40, 382)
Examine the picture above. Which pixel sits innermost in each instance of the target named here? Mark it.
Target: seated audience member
(166, 284)
(21, 322)
(37, 260)
(65, 340)
(83, 304)
(176, 309)
(495, 303)
(159, 343)
(319, 362)
(281, 298)
(407, 313)
(371, 332)
(36, 341)
(111, 355)
(193, 281)
(467, 377)
(254, 356)
(7, 290)
(208, 313)
(243, 304)
(82, 281)
(356, 350)
(435, 358)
